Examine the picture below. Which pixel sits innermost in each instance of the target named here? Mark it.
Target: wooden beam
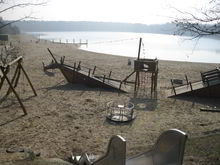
(4, 72)
(128, 76)
(93, 72)
(107, 78)
(16, 60)
(187, 81)
(13, 79)
(52, 55)
(1, 74)
(13, 90)
(29, 81)
(209, 110)
(139, 50)
(110, 73)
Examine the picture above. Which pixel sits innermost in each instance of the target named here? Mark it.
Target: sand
(71, 118)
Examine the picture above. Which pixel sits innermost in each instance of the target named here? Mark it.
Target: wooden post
(174, 90)
(4, 72)
(104, 79)
(89, 72)
(62, 60)
(74, 66)
(187, 81)
(155, 85)
(191, 86)
(137, 81)
(13, 90)
(152, 82)
(139, 50)
(110, 73)
(16, 74)
(29, 81)
(79, 65)
(93, 72)
(120, 85)
(18, 77)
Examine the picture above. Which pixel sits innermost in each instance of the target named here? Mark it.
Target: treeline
(39, 26)
(7, 28)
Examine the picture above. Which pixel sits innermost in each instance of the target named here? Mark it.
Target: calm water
(166, 47)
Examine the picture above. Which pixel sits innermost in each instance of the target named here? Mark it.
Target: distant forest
(40, 26)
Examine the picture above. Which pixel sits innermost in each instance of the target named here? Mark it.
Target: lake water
(166, 47)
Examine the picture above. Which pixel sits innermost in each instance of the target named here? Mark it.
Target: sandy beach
(71, 118)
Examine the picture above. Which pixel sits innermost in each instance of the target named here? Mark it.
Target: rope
(113, 41)
(143, 50)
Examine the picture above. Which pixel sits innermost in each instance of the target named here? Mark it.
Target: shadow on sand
(11, 120)
(205, 101)
(63, 86)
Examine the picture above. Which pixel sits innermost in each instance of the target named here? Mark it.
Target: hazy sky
(131, 11)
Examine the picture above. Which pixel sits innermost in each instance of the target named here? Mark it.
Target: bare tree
(7, 5)
(203, 22)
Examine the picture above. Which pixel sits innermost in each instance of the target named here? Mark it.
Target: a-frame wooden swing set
(13, 82)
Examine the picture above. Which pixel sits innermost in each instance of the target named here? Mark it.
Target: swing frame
(4, 70)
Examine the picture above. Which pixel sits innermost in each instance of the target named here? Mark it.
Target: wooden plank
(209, 110)
(14, 61)
(80, 76)
(211, 71)
(199, 88)
(101, 77)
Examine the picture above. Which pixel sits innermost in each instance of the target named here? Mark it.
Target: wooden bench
(211, 75)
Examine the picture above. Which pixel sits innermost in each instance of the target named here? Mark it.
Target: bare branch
(22, 5)
(205, 22)
(8, 5)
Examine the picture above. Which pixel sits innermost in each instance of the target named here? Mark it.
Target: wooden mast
(137, 79)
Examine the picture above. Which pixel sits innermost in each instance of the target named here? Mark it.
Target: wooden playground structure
(13, 81)
(80, 74)
(208, 86)
(143, 69)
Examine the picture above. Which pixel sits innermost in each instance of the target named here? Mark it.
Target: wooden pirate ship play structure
(11, 82)
(208, 86)
(85, 75)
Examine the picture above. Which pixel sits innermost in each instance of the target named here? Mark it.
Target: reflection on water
(166, 47)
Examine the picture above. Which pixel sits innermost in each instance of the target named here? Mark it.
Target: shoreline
(71, 118)
(162, 53)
